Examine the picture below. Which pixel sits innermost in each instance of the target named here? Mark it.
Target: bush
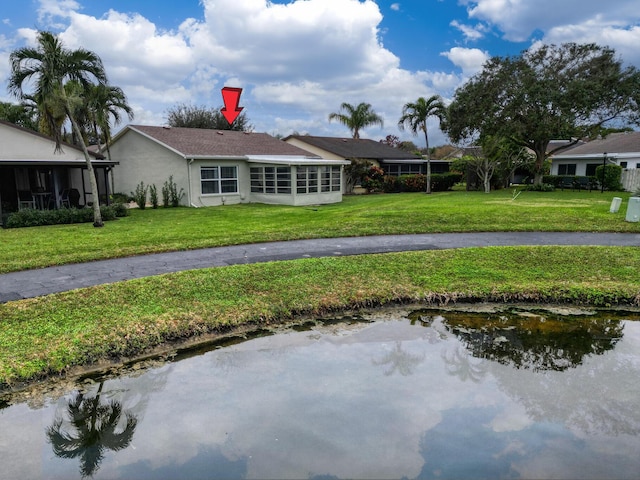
(121, 198)
(170, 195)
(120, 209)
(140, 196)
(373, 180)
(34, 218)
(612, 177)
(412, 183)
(441, 182)
(545, 187)
(153, 196)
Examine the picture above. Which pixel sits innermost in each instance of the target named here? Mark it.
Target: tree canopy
(563, 91)
(356, 118)
(193, 116)
(19, 114)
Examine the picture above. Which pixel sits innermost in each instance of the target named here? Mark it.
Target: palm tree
(415, 115)
(106, 102)
(356, 118)
(48, 67)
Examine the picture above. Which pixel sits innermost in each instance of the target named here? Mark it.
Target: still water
(405, 395)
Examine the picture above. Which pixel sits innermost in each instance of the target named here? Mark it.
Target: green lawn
(187, 228)
(52, 334)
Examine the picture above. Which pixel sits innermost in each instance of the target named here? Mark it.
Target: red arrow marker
(231, 98)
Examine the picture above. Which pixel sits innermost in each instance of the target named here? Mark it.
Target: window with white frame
(271, 180)
(567, 169)
(218, 180)
(318, 179)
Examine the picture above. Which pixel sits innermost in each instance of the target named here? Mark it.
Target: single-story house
(222, 167)
(392, 160)
(621, 149)
(34, 175)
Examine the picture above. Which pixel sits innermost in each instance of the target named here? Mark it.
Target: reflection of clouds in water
(397, 360)
(460, 363)
(601, 396)
(318, 401)
(464, 446)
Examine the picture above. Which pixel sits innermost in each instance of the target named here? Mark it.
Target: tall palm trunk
(97, 216)
(426, 138)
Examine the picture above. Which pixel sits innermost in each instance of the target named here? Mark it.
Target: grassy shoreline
(51, 335)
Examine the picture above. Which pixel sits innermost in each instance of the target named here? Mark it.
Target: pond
(398, 394)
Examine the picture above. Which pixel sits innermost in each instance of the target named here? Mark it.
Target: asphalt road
(35, 283)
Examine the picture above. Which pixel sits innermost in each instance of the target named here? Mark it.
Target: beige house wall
(314, 150)
(144, 160)
(22, 145)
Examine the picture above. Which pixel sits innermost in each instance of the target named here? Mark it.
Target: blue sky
(298, 60)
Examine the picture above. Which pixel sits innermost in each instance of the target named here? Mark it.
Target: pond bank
(55, 386)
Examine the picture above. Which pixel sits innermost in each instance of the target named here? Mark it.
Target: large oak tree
(563, 91)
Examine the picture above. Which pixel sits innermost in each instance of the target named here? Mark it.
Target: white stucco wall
(18, 144)
(143, 160)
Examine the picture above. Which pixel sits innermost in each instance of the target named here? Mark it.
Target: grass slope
(49, 335)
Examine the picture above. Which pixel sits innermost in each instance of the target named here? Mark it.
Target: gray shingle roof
(625, 142)
(356, 148)
(202, 142)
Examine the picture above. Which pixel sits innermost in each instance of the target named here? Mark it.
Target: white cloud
(518, 20)
(471, 33)
(395, 7)
(297, 62)
(50, 11)
(132, 48)
(470, 60)
(624, 40)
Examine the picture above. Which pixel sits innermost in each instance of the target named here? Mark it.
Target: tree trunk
(538, 168)
(97, 216)
(426, 138)
(487, 182)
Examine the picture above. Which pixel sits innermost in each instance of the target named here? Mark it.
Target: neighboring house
(622, 149)
(222, 167)
(34, 175)
(392, 160)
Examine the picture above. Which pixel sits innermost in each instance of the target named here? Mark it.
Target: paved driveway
(34, 283)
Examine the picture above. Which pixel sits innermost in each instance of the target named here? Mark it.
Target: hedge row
(440, 182)
(33, 218)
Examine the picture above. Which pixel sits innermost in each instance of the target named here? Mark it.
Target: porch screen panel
(301, 180)
(283, 179)
(271, 180)
(325, 179)
(336, 184)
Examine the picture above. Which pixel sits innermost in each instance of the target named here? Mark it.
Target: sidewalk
(34, 283)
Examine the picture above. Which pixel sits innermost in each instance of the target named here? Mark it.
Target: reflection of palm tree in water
(95, 426)
(460, 365)
(400, 361)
